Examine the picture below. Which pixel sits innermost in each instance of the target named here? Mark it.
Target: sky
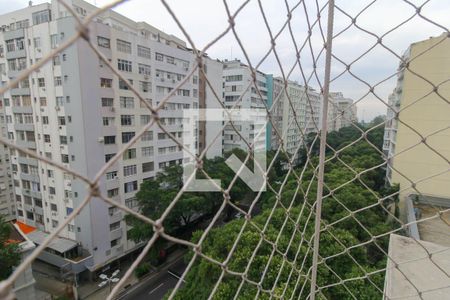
(204, 20)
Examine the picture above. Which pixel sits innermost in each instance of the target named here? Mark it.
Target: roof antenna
(30, 3)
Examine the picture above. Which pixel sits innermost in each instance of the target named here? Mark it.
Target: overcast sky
(206, 19)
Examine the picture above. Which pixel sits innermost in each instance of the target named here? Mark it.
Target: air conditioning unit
(57, 108)
(112, 109)
(32, 209)
(162, 79)
(54, 213)
(101, 139)
(146, 77)
(173, 81)
(38, 49)
(186, 69)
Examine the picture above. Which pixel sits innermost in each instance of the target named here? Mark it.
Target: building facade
(75, 111)
(295, 114)
(428, 113)
(341, 112)
(239, 92)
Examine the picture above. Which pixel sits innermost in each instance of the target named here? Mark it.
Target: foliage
(142, 269)
(9, 251)
(345, 192)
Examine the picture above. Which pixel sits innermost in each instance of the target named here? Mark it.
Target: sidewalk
(91, 291)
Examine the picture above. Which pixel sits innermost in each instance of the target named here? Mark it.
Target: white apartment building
(240, 92)
(285, 103)
(75, 111)
(305, 102)
(341, 112)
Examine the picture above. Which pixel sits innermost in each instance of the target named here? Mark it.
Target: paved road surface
(157, 289)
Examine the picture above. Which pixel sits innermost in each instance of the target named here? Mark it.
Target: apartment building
(288, 99)
(75, 111)
(341, 112)
(240, 92)
(291, 128)
(421, 112)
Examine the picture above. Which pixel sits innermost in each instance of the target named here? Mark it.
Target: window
(44, 120)
(65, 158)
(195, 79)
(30, 215)
(145, 86)
(41, 82)
(12, 64)
(41, 17)
(147, 151)
(58, 81)
(54, 41)
(233, 78)
(54, 223)
(145, 119)
(21, 63)
(70, 227)
(43, 101)
(144, 52)
(129, 154)
(63, 140)
(114, 226)
(148, 167)
(130, 186)
(127, 120)
(126, 102)
(56, 60)
(47, 138)
(124, 65)
(62, 121)
(115, 242)
(38, 202)
(113, 192)
(103, 42)
(144, 69)
(131, 202)
(109, 156)
(53, 207)
(107, 102)
(123, 46)
(108, 121)
(37, 42)
(10, 45)
(129, 170)
(147, 136)
(110, 139)
(123, 85)
(113, 210)
(111, 175)
(127, 136)
(159, 57)
(170, 60)
(105, 82)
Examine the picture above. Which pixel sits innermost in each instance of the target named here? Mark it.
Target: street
(156, 289)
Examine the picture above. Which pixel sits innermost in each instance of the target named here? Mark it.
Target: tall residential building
(286, 101)
(238, 88)
(75, 111)
(341, 112)
(428, 114)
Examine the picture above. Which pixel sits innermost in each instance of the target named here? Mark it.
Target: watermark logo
(242, 128)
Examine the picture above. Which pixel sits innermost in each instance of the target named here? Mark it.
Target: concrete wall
(426, 116)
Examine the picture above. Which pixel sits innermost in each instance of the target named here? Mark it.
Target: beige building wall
(428, 115)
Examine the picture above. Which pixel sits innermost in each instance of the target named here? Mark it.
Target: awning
(58, 244)
(25, 228)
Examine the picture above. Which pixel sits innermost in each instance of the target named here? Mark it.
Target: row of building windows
(124, 46)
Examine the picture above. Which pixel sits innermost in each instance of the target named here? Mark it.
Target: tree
(9, 252)
(350, 193)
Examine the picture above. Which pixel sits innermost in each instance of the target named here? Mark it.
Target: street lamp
(109, 280)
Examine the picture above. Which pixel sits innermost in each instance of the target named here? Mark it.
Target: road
(156, 289)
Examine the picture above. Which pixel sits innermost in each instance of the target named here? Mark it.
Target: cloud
(206, 19)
